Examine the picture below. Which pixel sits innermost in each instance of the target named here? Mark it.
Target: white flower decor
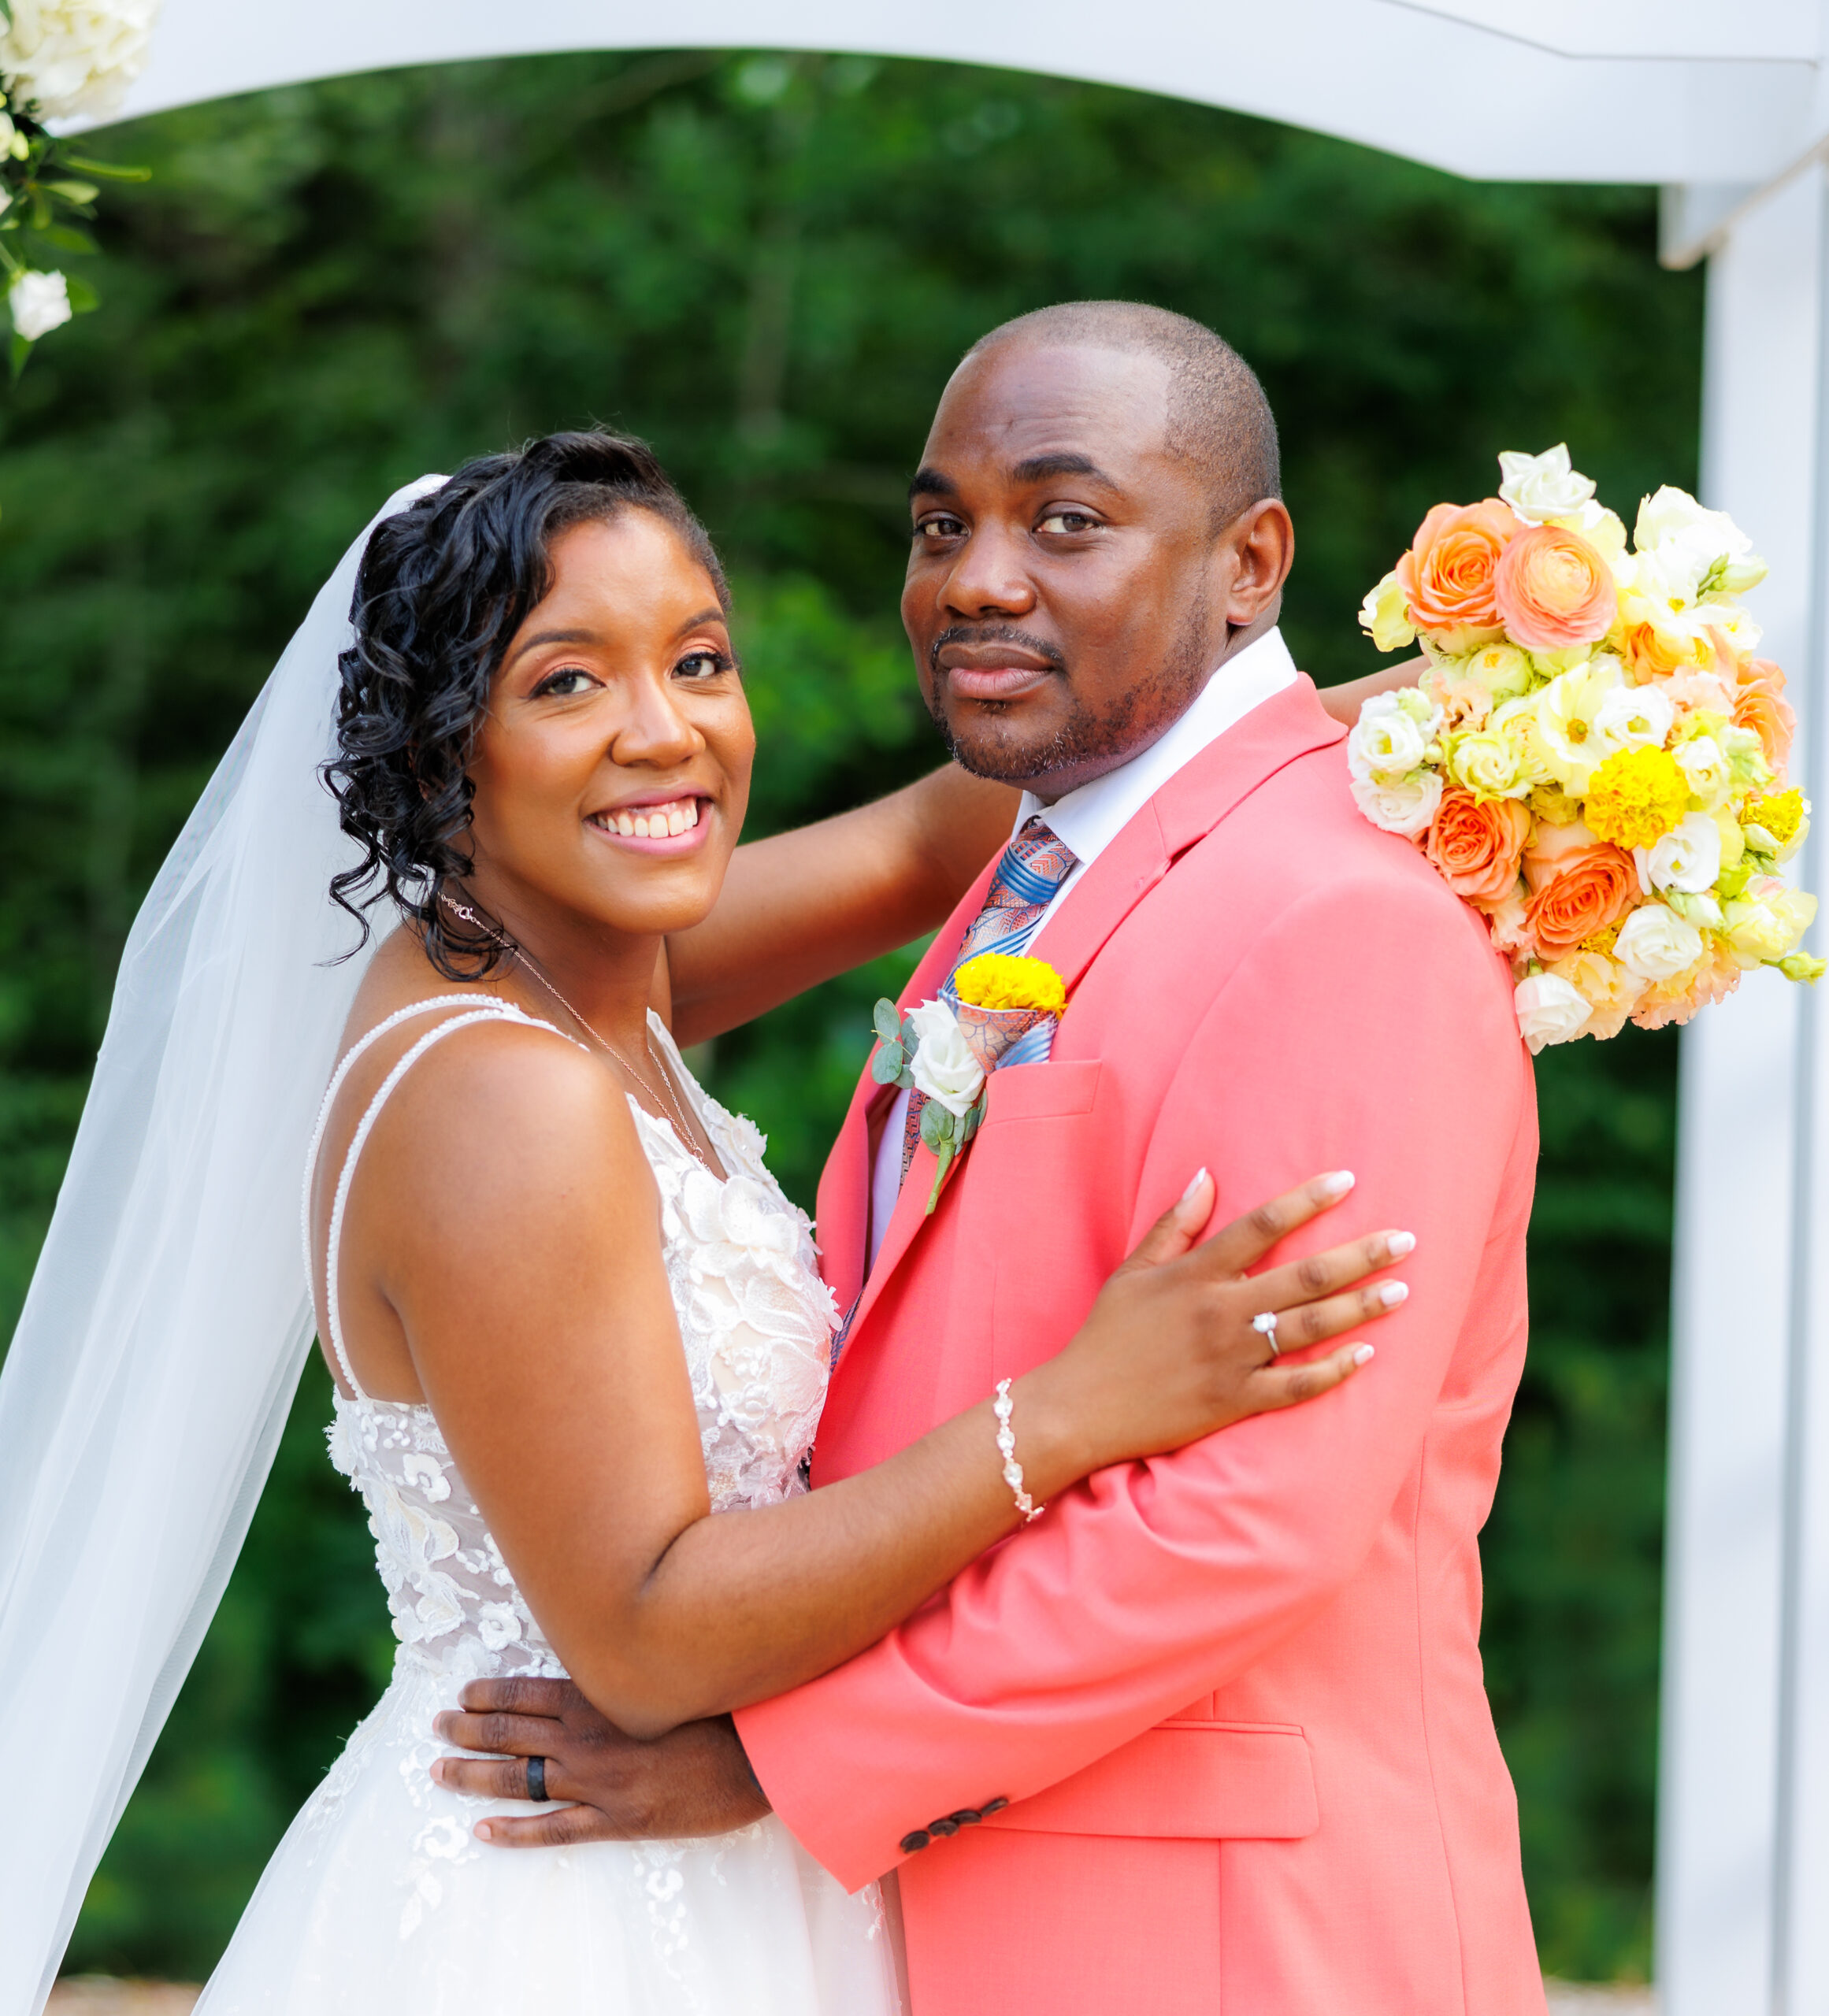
(74, 59)
(1541, 488)
(39, 302)
(1549, 1010)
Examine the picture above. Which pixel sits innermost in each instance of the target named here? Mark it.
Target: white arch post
(1728, 107)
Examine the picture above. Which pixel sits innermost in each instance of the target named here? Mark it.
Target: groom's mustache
(994, 633)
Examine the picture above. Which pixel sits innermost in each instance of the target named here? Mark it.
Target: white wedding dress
(380, 1901)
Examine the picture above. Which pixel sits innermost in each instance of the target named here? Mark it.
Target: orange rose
(1578, 886)
(1757, 706)
(1653, 653)
(1477, 846)
(1447, 575)
(1553, 590)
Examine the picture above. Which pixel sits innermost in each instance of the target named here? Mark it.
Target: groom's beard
(1088, 739)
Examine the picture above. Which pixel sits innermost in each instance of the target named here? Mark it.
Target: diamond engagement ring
(1266, 1327)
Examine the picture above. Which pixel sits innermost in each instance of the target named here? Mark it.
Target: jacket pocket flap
(1041, 1091)
(1220, 1782)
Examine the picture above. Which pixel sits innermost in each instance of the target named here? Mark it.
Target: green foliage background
(767, 265)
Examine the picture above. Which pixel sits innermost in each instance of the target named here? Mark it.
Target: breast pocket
(1043, 1091)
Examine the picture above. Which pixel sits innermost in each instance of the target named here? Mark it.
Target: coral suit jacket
(1233, 1696)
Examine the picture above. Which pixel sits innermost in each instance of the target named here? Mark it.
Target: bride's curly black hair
(442, 588)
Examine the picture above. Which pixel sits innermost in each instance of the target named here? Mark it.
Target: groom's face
(1068, 593)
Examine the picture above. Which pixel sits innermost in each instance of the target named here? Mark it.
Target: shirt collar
(1088, 820)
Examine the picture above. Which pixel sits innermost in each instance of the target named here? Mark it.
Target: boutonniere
(944, 1050)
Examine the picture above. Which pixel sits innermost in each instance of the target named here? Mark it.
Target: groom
(1212, 1734)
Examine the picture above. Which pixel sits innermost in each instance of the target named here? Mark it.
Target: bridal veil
(169, 1318)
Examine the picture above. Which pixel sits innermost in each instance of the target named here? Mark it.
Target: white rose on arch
(75, 58)
(943, 1065)
(38, 303)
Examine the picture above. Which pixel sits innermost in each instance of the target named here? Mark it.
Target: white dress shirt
(1088, 820)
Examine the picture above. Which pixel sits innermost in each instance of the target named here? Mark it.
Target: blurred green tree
(767, 264)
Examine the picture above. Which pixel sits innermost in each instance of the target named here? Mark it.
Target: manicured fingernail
(1398, 1244)
(1360, 1356)
(438, 1770)
(1337, 1184)
(484, 1831)
(1199, 1177)
(1393, 1292)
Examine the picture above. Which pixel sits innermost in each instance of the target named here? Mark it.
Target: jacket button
(945, 1829)
(967, 1816)
(913, 1844)
(991, 1805)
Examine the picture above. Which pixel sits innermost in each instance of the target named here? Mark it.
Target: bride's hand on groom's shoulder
(603, 1785)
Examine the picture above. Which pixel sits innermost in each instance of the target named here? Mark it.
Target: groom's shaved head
(1219, 419)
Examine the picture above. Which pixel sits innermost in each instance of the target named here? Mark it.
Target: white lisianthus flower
(39, 303)
(1549, 1010)
(1691, 551)
(1392, 736)
(75, 58)
(1385, 616)
(1657, 944)
(943, 1065)
(1487, 765)
(1768, 922)
(1687, 858)
(1635, 716)
(1405, 806)
(1710, 775)
(1570, 733)
(1539, 487)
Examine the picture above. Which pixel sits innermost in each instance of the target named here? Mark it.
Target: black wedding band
(536, 1789)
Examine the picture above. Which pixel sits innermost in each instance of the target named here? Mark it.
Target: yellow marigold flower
(995, 980)
(1636, 797)
(1780, 815)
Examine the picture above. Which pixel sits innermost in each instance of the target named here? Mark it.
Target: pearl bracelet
(1007, 1449)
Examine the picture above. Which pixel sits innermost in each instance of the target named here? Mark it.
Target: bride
(570, 1316)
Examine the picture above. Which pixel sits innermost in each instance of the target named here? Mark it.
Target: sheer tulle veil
(169, 1318)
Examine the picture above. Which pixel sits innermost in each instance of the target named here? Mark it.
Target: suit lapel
(1195, 800)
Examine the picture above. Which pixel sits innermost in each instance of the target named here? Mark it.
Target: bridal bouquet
(1594, 757)
(59, 59)
(946, 1050)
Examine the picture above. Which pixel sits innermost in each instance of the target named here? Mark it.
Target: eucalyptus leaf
(887, 1023)
(888, 1064)
(937, 1126)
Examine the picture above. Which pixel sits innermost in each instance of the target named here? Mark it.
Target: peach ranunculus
(1447, 575)
(1579, 886)
(1758, 705)
(1476, 845)
(1553, 591)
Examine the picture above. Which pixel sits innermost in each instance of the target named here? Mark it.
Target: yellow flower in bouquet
(1593, 758)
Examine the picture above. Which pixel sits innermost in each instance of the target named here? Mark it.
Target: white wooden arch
(1727, 107)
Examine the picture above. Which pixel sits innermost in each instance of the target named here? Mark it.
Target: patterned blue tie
(1035, 863)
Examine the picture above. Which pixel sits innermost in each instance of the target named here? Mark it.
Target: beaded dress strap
(493, 1008)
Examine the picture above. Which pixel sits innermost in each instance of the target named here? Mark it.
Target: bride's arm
(520, 1222)
(797, 908)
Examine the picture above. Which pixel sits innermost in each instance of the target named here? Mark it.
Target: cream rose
(1539, 488)
(1405, 807)
(1487, 765)
(1385, 616)
(943, 1065)
(1768, 922)
(1549, 1010)
(1657, 944)
(1687, 858)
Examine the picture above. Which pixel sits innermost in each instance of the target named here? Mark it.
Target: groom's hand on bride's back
(603, 1785)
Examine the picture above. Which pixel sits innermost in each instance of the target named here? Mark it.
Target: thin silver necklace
(669, 1100)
